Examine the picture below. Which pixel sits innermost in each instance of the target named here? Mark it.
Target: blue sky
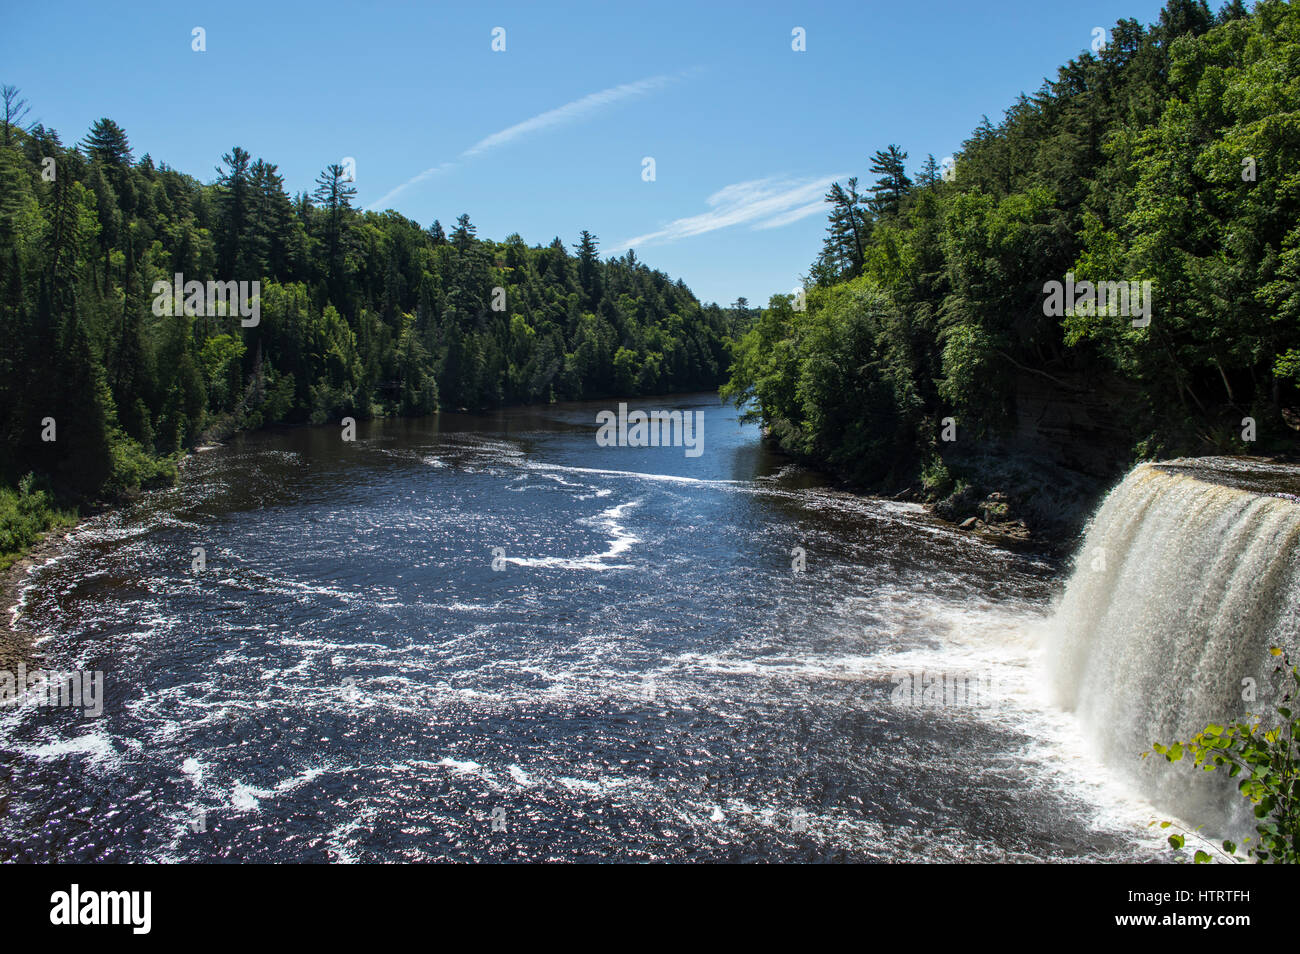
(549, 136)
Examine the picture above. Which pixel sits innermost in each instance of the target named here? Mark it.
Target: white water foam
(620, 541)
(1181, 588)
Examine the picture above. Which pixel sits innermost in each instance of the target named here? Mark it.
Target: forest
(359, 313)
(1170, 156)
(1168, 159)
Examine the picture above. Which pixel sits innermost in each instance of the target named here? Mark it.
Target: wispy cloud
(569, 113)
(767, 203)
(382, 201)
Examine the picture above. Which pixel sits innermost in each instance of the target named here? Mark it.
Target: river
(488, 637)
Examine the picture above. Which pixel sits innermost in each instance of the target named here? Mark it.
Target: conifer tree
(893, 184)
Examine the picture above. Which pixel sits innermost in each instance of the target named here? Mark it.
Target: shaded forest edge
(1170, 156)
(357, 313)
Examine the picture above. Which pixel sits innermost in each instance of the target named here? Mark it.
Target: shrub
(26, 513)
(1268, 760)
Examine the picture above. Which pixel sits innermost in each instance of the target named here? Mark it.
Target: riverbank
(1008, 494)
(16, 643)
(47, 528)
(1015, 496)
(31, 525)
(649, 607)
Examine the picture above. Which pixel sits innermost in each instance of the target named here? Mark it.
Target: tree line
(360, 313)
(1172, 156)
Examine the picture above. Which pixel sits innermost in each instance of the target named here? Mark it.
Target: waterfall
(1189, 572)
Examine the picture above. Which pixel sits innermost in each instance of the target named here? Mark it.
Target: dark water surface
(644, 678)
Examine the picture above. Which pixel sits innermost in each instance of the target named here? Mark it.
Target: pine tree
(588, 278)
(555, 263)
(462, 236)
(270, 222)
(354, 318)
(848, 230)
(13, 112)
(83, 412)
(893, 185)
(107, 143)
(334, 196)
(234, 195)
(930, 173)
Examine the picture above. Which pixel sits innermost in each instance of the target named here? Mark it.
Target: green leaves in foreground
(1267, 759)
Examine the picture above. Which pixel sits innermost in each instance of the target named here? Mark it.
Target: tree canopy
(1172, 156)
(361, 313)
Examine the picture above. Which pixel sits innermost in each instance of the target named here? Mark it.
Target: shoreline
(975, 516)
(17, 645)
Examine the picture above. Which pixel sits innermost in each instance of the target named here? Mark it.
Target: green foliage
(26, 513)
(133, 467)
(893, 185)
(936, 479)
(1266, 758)
(361, 313)
(1288, 366)
(1129, 166)
(834, 382)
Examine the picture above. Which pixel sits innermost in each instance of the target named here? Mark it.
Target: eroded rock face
(1017, 496)
(1075, 421)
